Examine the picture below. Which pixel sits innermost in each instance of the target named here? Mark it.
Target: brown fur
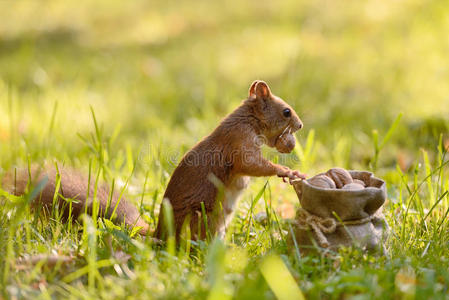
(73, 185)
(225, 159)
(230, 154)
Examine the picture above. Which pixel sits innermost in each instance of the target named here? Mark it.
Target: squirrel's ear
(252, 89)
(262, 90)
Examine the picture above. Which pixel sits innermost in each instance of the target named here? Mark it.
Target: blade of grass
(279, 279)
(250, 213)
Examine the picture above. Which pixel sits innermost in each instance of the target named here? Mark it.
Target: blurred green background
(167, 71)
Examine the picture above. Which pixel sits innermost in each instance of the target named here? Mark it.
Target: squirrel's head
(276, 117)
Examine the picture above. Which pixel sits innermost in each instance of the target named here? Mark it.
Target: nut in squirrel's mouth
(285, 142)
(290, 129)
(287, 130)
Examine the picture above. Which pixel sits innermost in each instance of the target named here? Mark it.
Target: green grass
(121, 90)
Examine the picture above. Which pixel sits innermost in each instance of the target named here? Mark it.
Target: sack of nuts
(339, 208)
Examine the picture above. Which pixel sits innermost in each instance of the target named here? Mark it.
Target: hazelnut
(322, 181)
(285, 143)
(340, 176)
(361, 182)
(353, 186)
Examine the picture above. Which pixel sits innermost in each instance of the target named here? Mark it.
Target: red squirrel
(214, 172)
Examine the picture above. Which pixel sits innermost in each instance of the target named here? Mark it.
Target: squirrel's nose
(297, 126)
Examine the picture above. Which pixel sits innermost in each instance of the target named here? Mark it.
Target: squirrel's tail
(75, 186)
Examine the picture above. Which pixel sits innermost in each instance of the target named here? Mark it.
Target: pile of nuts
(337, 178)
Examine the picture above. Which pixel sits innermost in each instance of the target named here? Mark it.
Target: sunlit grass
(159, 76)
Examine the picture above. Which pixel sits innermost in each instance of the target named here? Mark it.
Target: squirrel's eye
(287, 113)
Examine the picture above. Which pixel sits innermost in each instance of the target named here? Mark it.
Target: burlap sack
(330, 218)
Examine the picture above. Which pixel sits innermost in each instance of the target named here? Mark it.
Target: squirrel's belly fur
(232, 196)
(210, 177)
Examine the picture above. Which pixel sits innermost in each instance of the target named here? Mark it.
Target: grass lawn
(123, 89)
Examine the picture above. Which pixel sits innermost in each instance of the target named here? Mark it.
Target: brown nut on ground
(322, 181)
(340, 176)
(286, 143)
(353, 186)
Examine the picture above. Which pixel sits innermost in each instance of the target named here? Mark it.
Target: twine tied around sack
(321, 225)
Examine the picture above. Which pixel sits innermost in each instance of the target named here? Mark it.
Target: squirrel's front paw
(290, 174)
